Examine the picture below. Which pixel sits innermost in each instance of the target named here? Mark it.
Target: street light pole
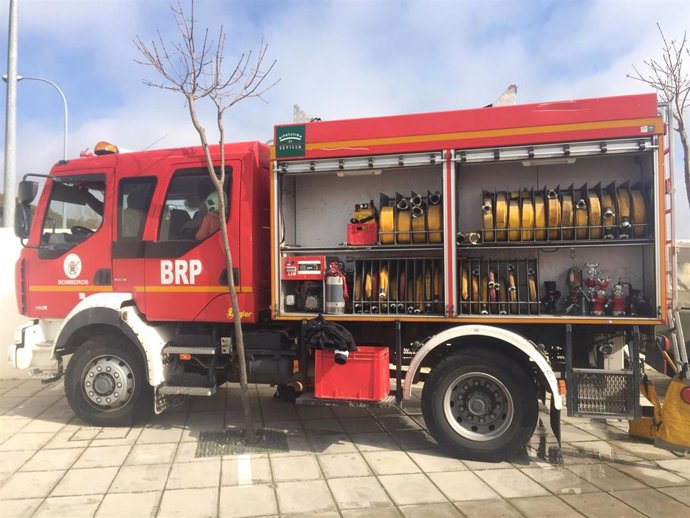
(11, 119)
(64, 106)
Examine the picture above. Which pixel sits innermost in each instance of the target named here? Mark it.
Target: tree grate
(233, 442)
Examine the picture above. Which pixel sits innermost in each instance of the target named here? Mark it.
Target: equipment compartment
(316, 207)
(591, 240)
(398, 286)
(536, 202)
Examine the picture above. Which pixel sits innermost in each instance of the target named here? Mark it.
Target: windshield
(74, 213)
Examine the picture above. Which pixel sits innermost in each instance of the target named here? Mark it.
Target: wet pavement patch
(234, 442)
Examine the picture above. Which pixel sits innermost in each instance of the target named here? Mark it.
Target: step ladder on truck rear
(667, 420)
(490, 253)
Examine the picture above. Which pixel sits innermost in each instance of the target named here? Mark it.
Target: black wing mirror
(22, 220)
(27, 191)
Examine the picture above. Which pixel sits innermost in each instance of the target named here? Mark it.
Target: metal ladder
(678, 348)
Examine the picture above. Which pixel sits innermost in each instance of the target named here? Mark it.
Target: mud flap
(555, 421)
(162, 402)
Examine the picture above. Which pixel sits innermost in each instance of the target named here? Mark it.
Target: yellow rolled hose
(553, 209)
(475, 294)
(484, 296)
(527, 220)
(594, 216)
(501, 216)
(419, 226)
(387, 226)
(514, 220)
(383, 283)
(608, 214)
(434, 220)
(438, 290)
(488, 219)
(393, 288)
(502, 298)
(404, 226)
(567, 216)
(539, 218)
(639, 213)
(581, 219)
(532, 294)
(465, 288)
(512, 292)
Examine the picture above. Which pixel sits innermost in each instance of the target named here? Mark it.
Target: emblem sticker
(290, 141)
(72, 266)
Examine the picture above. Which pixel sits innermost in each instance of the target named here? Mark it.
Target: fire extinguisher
(336, 290)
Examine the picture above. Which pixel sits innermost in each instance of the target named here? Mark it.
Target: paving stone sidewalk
(349, 462)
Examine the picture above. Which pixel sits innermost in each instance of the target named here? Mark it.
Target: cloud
(338, 59)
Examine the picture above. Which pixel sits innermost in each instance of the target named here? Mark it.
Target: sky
(335, 58)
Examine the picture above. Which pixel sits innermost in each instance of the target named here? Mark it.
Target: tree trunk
(236, 315)
(686, 157)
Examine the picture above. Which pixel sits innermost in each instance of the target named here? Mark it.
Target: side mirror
(22, 220)
(27, 191)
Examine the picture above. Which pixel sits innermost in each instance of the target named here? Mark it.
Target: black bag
(319, 333)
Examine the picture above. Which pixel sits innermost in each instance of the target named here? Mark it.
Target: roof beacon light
(105, 148)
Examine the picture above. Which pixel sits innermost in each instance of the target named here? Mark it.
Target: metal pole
(11, 119)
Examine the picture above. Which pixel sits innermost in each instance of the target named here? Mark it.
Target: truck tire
(106, 383)
(480, 405)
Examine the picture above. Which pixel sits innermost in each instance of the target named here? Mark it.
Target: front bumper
(30, 350)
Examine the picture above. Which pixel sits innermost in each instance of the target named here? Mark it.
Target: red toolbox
(362, 234)
(365, 376)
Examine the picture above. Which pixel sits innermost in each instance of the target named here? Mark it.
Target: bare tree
(194, 68)
(673, 84)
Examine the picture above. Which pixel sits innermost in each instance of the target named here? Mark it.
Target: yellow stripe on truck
(75, 288)
(191, 289)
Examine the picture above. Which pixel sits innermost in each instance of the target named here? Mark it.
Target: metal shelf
(557, 244)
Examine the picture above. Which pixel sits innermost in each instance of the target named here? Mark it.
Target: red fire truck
(497, 254)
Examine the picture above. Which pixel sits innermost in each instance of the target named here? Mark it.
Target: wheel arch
(91, 322)
(496, 338)
(104, 313)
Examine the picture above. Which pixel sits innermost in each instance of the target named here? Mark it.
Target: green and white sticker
(290, 141)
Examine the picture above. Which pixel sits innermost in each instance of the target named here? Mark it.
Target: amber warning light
(105, 148)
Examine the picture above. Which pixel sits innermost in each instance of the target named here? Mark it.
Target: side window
(75, 211)
(134, 199)
(190, 211)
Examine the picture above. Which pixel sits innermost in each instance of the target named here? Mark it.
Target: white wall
(9, 317)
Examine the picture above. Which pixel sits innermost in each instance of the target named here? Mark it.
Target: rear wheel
(480, 406)
(106, 383)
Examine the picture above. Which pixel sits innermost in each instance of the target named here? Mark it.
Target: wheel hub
(108, 382)
(478, 406)
(104, 384)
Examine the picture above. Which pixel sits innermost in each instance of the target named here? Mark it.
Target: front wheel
(106, 383)
(480, 406)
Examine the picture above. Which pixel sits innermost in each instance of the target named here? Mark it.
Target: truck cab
(132, 223)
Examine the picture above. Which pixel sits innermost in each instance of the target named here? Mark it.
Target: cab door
(184, 262)
(73, 259)
(134, 196)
